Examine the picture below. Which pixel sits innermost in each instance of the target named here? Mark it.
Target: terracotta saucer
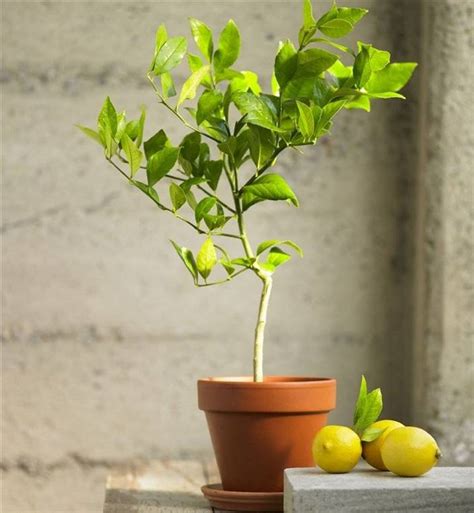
(242, 501)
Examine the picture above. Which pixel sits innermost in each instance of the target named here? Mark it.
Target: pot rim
(277, 381)
(277, 394)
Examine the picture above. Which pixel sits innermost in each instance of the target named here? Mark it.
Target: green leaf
(212, 172)
(336, 28)
(161, 37)
(227, 265)
(308, 18)
(257, 110)
(329, 15)
(305, 120)
(131, 129)
(225, 261)
(108, 117)
(215, 221)
(149, 191)
(194, 62)
(170, 55)
(249, 81)
(121, 126)
(328, 112)
(338, 46)
(271, 187)
(140, 127)
(263, 246)
(362, 67)
(392, 78)
(286, 63)
(372, 408)
(187, 257)
(309, 23)
(208, 103)
(378, 58)
(190, 198)
(351, 14)
(191, 146)
(203, 37)
(277, 257)
(340, 71)
(370, 434)
(275, 85)
(310, 64)
(227, 74)
(361, 102)
(167, 86)
(134, 155)
(228, 146)
(177, 196)
(206, 258)
(188, 92)
(160, 40)
(90, 133)
(156, 143)
(261, 144)
(360, 399)
(160, 163)
(203, 207)
(386, 96)
(228, 48)
(243, 261)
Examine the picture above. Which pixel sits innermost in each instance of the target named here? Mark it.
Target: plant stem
(260, 328)
(263, 275)
(268, 164)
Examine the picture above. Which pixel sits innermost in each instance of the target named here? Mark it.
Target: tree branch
(176, 113)
(167, 209)
(205, 191)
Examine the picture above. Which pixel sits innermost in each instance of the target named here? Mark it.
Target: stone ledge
(444, 489)
(168, 486)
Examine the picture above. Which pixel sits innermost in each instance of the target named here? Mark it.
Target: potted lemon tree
(259, 425)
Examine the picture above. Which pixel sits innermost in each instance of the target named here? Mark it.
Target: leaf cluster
(367, 410)
(232, 121)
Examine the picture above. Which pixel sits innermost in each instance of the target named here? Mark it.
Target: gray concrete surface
(103, 333)
(169, 486)
(444, 329)
(367, 490)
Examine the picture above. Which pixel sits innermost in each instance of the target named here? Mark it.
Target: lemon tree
(236, 133)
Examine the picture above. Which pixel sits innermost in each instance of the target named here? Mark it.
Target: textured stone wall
(103, 333)
(445, 269)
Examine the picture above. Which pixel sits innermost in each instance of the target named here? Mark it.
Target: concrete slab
(444, 489)
(159, 487)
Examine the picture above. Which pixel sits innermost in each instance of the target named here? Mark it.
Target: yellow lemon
(410, 451)
(336, 449)
(371, 450)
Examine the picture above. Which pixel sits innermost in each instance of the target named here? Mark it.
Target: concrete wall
(445, 271)
(103, 332)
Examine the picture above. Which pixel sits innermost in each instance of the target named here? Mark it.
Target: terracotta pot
(259, 429)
